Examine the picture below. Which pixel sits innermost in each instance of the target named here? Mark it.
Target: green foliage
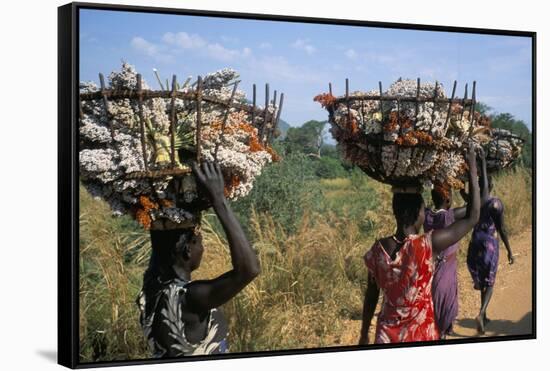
(307, 138)
(283, 190)
(483, 108)
(353, 197)
(329, 150)
(330, 168)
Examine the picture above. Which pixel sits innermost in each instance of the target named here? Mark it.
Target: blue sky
(301, 59)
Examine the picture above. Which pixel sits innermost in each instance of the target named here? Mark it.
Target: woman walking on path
(179, 317)
(401, 265)
(483, 251)
(444, 285)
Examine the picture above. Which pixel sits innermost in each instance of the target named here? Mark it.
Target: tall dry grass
(309, 293)
(113, 256)
(310, 284)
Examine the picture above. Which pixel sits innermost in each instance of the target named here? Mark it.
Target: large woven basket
(265, 120)
(503, 150)
(412, 145)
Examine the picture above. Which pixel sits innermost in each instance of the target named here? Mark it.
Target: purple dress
(444, 285)
(483, 249)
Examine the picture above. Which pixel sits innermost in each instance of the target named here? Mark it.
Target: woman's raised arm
(442, 238)
(207, 294)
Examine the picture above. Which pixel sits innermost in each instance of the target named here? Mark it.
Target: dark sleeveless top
(170, 303)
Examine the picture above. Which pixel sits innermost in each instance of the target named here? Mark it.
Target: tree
(284, 190)
(307, 138)
(483, 108)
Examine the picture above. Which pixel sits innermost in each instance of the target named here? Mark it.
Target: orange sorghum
(353, 127)
(274, 155)
(423, 137)
(166, 203)
(484, 121)
(143, 218)
(443, 189)
(391, 125)
(142, 214)
(326, 99)
(408, 139)
(147, 203)
(231, 183)
(415, 137)
(255, 144)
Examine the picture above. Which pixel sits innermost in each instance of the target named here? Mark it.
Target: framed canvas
(239, 185)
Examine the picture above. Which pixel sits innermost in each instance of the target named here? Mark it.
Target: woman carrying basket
(401, 265)
(483, 250)
(444, 285)
(179, 317)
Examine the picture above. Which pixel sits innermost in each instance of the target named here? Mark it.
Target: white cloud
(278, 67)
(218, 51)
(184, 40)
(303, 44)
(150, 49)
(351, 54)
(385, 58)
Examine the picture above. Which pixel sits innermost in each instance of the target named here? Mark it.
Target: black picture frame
(68, 202)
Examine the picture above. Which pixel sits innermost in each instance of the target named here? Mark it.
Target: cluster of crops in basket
(137, 144)
(413, 134)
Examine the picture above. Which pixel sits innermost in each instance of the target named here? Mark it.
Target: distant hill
(283, 127)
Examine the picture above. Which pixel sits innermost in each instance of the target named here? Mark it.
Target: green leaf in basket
(185, 137)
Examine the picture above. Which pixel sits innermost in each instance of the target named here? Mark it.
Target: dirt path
(510, 307)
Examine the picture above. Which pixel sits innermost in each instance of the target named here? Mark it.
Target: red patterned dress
(407, 312)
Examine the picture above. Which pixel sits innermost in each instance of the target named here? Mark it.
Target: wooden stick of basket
(266, 129)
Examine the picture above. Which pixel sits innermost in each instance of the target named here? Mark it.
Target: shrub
(330, 168)
(283, 190)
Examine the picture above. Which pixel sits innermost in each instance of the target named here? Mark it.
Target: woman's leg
(486, 293)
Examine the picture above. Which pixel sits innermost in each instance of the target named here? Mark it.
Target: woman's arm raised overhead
(460, 212)
(207, 294)
(442, 238)
(497, 213)
(484, 178)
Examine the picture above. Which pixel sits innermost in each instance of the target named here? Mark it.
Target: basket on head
(410, 134)
(137, 144)
(503, 149)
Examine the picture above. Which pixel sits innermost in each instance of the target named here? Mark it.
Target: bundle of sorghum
(109, 159)
(503, 149)
(403, 142)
